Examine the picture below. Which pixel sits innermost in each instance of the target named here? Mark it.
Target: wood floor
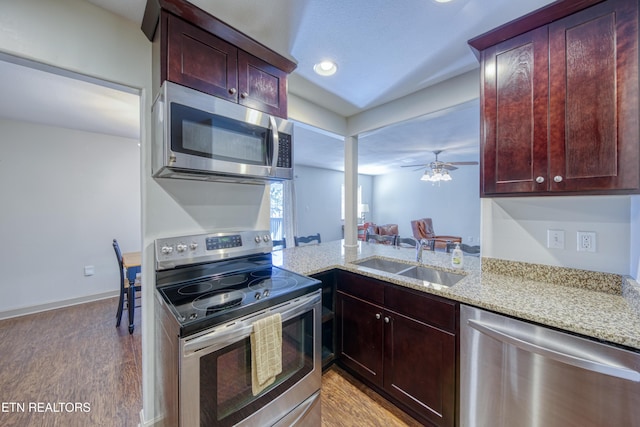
(72, 367)
(71, 355)
(348, 403)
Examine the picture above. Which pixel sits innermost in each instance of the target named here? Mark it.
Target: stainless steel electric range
(211, 288)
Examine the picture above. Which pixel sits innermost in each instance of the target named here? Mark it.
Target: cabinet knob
(386, 319)
(378, 316)
(232, 91)
(557, 178)
(244, 95)
(540, 179)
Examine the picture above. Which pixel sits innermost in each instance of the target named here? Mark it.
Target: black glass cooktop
(206, 295)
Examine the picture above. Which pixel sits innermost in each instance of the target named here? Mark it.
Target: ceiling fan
(437, 170)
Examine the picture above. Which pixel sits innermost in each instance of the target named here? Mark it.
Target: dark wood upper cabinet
(513, 109)
(559, 103)
(199, 60)
(194, 49)
(261, 86)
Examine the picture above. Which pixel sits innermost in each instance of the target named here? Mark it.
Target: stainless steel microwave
(198, 136)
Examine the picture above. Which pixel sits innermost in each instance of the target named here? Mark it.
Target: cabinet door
(200, 60)
(514, 114)
(594, 99)
(360, 339)
(262, 86)
(420, 367)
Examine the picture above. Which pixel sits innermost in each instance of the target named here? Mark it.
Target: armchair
(423, 229)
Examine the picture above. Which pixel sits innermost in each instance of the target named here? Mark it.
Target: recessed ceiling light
(325, 68)
(443, 1)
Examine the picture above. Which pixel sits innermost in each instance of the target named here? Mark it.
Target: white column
(351, 191)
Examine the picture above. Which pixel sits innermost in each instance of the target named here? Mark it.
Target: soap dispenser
(457, 258)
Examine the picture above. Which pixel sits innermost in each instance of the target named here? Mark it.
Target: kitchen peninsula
(597, 305)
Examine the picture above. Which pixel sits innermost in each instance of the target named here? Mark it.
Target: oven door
(215, 380)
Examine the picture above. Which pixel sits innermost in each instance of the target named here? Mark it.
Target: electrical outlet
(89, 270)
(555, 239)
(586, 241)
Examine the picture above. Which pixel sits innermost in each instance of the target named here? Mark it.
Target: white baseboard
(54, 305)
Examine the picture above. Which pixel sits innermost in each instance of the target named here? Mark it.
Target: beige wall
(62, 203)
(75, 35)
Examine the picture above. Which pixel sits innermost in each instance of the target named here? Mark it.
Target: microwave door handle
(276, 145)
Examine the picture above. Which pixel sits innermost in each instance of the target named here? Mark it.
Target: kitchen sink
(386, 265)
(426, 274)
(432, 275)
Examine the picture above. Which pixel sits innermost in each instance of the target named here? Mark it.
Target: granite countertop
(598, 305)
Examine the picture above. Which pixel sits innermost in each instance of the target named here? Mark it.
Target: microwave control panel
(284, 151)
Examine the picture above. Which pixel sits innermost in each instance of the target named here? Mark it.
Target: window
(277, 210)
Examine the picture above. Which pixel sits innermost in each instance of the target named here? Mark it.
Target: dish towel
(266, 352)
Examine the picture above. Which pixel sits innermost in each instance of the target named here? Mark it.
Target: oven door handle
(233, 331)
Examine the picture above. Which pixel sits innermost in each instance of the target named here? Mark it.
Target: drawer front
(361, 287)
(426, 308)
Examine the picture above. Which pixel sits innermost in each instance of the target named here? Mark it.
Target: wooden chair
(306, 240)
(126, 289)
(279, 244)
(470, 250)
(406, 242)
(385, 239)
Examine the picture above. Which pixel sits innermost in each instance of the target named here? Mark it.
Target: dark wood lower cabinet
(360, 337)
(404, 346)
(420, 369)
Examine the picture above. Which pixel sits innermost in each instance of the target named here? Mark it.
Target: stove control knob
(166, 250)
(193, 246)
(266, 237)
(265, 293)
(181, 247)
(257, 239)
(257, 295)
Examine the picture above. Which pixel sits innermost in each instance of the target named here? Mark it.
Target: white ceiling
(384, 50)
(36, 93)
(387, 149)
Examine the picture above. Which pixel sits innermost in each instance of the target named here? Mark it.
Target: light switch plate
(555, 239)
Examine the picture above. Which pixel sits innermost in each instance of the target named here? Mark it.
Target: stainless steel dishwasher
(517, 374)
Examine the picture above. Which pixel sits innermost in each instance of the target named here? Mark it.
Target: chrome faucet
(419, 247)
